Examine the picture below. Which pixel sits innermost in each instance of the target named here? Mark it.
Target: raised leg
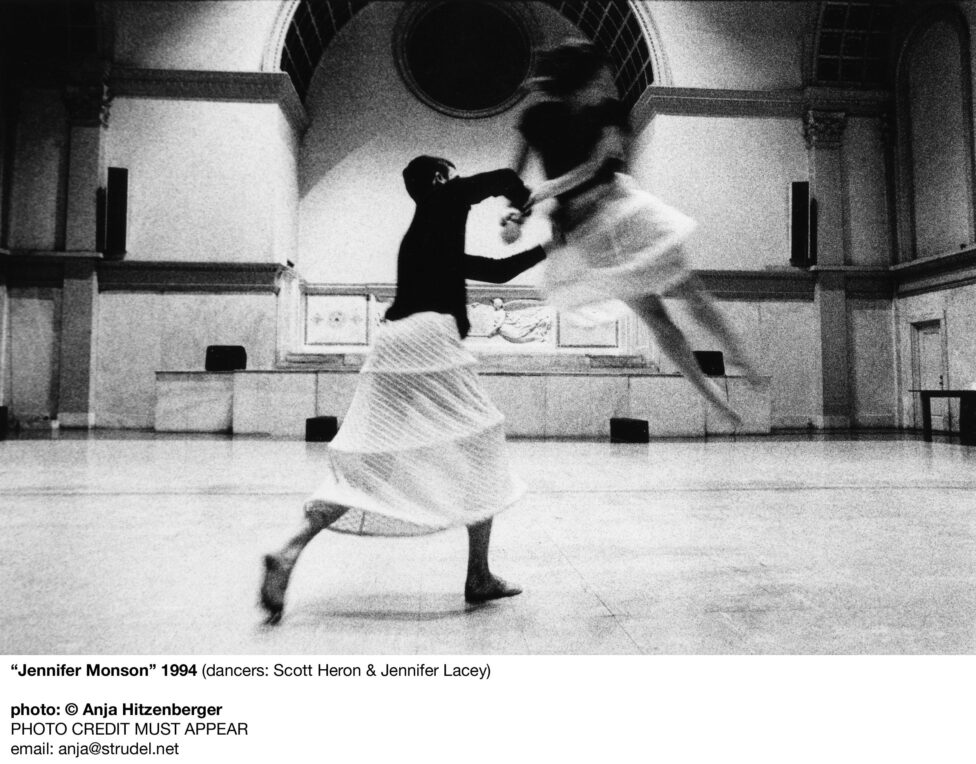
(481, 585)
(278, 567)
(703, 310)
(675, 346)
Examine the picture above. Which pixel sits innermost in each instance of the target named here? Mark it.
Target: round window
(466, 59)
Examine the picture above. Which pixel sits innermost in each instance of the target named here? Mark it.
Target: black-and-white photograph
(470, 327)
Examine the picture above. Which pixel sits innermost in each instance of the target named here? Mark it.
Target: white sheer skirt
(422, 448)
(620, 243)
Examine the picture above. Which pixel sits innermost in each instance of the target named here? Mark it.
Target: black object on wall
(113, 214)
(225, 358)
(624, 430)
(711, 362)
(800, 224)
(813, 233)
(4, 422)
(321, 429)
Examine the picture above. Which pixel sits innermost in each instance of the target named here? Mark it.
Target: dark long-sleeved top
(565, 138)
(432, 265)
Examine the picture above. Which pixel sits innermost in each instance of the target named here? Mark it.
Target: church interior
(201, 205)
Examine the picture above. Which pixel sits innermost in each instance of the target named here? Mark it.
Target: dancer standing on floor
(617, 245)
(421, 448)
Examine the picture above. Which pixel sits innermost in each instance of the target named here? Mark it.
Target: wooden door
(929, 371)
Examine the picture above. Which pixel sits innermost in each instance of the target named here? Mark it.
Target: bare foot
(276, 575)
(492, 588)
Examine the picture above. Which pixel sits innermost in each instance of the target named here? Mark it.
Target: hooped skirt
(619, 243)
(422, 448)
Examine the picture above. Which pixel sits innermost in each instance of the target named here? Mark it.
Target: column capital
(824, 129)
(87, 97)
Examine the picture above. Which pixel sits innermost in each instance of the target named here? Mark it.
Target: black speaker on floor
(624, 430)
(321, 429)
(225, 358)
(800, 224)
(711, 362)
(4, 422)
(113, 214)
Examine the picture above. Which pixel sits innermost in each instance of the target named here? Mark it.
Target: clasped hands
(516, 216)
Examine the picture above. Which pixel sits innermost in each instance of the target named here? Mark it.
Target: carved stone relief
(516, 321)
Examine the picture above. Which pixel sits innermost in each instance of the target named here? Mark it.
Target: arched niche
(935, 121)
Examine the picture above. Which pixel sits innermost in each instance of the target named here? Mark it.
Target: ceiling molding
(202, 85)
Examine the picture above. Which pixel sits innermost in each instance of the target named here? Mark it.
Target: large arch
(614, 25)
(936, 193)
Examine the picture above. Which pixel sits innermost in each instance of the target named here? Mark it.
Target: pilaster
(830, 298)
(4, 336)
(79, 307)
(824, 133)
(87, 99)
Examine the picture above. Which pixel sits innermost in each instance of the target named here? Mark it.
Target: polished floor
(134, 543)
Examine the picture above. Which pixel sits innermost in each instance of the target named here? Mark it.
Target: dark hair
(567, 66)
(418, 176)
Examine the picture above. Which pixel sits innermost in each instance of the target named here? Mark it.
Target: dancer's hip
(420, 343)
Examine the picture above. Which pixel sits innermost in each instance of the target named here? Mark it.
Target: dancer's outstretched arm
(520, 157)
(476, 188)
(500, 270)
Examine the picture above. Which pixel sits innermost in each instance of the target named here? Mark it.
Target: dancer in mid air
(422, 448)
(616, 245)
